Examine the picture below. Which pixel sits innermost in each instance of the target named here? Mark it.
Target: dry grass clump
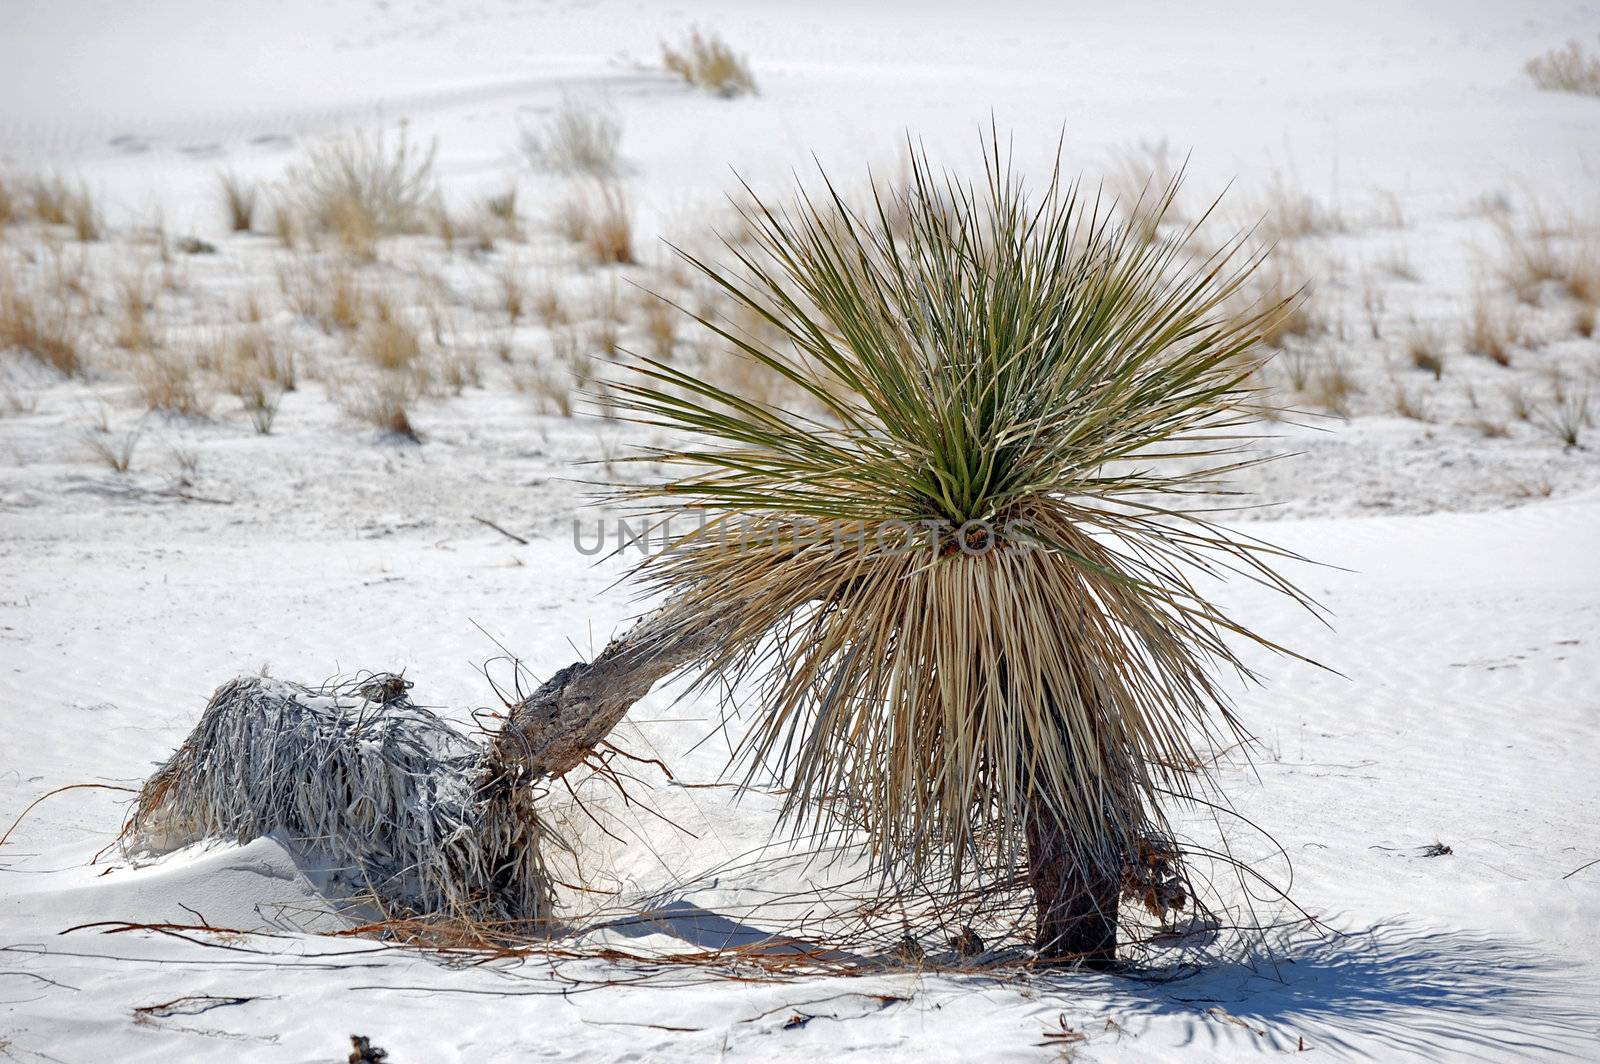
(45, 329)
(705, 61)
(111, 449)
(1397, 263)
(168, 381)
(1281, 283)
(1567, 69)
(1488, 427)
(475, 233)
(49, 197)
(1410, 402)
(548, 306)
(660, 319)
(260, 401)
(577, 138)
(328, 294)
(1493, 329)
(1332, 388)
(258, 370)
(1425, 349)
(135, 300)
(55, 202)
(382, 400)
(1137, 180)
(255, 350)
(238, 201)
(1549, 252)
(1289, 214)
(460, 369)
(598, 218)
(10, 207)
(1583, 320)
(500, 209)
(553, 381)
(510, 290)
(389, 342)
(1564, 414)
(287, 226)
(1518, 403)
(363, 186)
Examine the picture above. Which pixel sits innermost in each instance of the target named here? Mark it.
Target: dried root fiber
(405, 808)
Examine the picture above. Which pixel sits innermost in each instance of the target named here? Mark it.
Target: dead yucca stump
(405, 809)
(408, 809)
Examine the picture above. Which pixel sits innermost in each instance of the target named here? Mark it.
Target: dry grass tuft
(168, 382)
(83, 216)
(511, 292)
(1410, 403)
(255, 352)
(328, 294)
(548, 307)
(238, 201)
(660, 326)
(1138, 179)
(1567, 69)
(1583, 321)
(577, 138)
(287, 225)
(460, 370)
(1518, 402)
(1493, 329)
(1332, 388)
(389, 342)
(113, 450)
(1281, 283)
(363, 186)
(705, 61)
(1397, 263)
(135, 300)
(1564, 414)
(260, 400)
(50, 198)
(501, 211)
(48, 331)
(1425, 349)
(383, 401)
(598, 218)
(1290, 214)
(1548, 252)
(1489, 428)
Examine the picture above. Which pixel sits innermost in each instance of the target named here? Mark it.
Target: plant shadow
(709, 930)
(1391, 989)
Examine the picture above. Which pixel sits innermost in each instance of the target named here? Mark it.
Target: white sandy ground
(1468, 642)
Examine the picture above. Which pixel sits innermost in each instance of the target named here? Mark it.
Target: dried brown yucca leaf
(962, 585)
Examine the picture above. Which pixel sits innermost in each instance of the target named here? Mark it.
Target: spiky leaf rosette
(956, 569)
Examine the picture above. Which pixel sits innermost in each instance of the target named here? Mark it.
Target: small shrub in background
(578, 138)
(705, 61)
(1568, 69)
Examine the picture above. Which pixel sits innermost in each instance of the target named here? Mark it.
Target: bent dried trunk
(550, 732)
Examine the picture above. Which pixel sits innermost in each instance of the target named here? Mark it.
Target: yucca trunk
(1075, 906)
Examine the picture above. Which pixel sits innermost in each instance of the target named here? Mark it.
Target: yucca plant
(955, 576)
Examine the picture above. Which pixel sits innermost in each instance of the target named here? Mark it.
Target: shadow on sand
(1387, 991)
(1391, 990)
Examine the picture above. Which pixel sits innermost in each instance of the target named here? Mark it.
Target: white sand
(1467, 632)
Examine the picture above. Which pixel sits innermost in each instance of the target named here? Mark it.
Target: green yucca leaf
(954, 572)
